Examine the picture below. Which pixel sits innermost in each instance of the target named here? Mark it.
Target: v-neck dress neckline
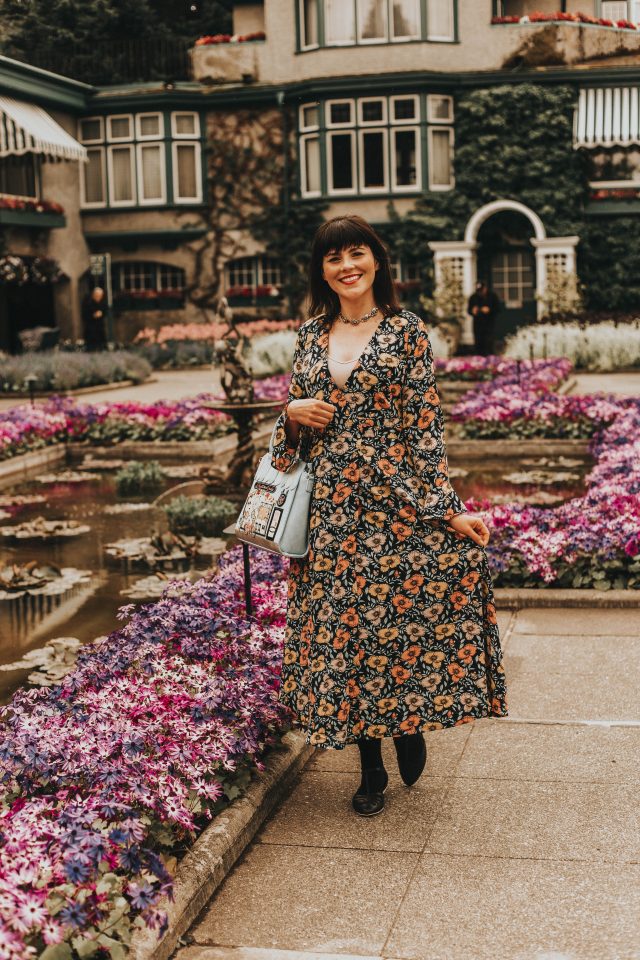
(357, 364)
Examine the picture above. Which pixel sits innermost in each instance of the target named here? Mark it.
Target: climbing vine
(515, 142)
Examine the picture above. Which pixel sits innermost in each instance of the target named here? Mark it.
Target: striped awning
(607, 116)
(27, 128)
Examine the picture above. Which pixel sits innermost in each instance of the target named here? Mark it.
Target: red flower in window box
(230, 38)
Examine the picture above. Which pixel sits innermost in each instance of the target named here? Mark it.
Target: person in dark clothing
(483, 306)
(93, 317)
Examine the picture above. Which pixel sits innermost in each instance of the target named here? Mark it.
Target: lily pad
(42, 529)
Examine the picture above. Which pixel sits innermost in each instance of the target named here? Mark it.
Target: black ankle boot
(411, 751)
(369, 797)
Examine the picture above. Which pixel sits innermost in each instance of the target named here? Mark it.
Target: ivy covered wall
(515, 142)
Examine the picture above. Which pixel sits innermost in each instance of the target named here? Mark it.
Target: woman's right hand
(310, 412)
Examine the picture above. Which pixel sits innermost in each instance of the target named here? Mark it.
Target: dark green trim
(40, 86)
(188, 233)
(29, 218)
(598, 208)
(456, 32)
(141, 97)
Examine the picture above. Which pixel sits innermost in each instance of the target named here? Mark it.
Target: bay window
(326, 23)
(374, 145)
(146, 159)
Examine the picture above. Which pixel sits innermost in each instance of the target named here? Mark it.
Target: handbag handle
(305, 440)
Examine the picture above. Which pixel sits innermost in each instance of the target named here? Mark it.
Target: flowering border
(559, 17)
(109, 774)
(230, 38)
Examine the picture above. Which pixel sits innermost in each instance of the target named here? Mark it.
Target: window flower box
(230, 38)
(26, 212)
(615, 193)
(170, 299)
(264, 295)
(557, 17)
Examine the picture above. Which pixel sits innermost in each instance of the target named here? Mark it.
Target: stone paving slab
(256, 953)
(546, 820)
(575, 753)
(541, 621)
(467, 908)
(319, 809)
(306, 898)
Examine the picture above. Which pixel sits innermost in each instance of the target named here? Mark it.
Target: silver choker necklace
(357, 320)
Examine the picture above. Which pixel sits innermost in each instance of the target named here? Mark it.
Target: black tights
(371, 750)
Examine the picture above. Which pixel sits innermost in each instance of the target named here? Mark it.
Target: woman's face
(350, 272)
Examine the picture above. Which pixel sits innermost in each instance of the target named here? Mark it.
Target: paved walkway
(521, 840)
(175, 384)
(165, 385)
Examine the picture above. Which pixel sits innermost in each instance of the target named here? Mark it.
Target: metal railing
(107, 62)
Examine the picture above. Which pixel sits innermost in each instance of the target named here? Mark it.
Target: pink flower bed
(177, 332)
(589, 541)
(59, 420)
(104, 776)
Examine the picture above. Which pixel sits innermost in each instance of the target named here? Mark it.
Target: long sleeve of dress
(423, 427)
(284, 453)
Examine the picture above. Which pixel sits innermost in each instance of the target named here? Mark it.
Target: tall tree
(107, 41)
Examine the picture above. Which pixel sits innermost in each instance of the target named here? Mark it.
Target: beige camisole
(340, 372)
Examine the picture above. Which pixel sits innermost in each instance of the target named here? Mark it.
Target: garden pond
(68, 582)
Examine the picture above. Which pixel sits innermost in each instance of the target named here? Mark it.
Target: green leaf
(57, 951)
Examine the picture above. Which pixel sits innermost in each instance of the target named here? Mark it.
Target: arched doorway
(506, 242)
(506, 261)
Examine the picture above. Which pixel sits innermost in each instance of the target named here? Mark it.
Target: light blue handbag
(275, 515)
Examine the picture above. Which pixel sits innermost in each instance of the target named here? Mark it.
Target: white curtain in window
(339, 21)
(186, 175)
(406, 18)
(122, 185)
(440, 19)
(151, 172)
(93, 176)
(309, 23)
(312, 165)
(372, 19)
(440, 159)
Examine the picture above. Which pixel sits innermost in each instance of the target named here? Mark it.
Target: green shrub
(207, 516)
(139, 477)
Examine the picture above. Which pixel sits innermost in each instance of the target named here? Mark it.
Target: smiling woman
(391, 625)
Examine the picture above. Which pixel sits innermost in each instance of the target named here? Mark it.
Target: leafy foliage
(200, 516)
(139, 476)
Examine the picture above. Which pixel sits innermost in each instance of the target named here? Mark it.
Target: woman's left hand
(471, 526)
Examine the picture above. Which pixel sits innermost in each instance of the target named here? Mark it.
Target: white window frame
(302, 19)
(87, 119)
(342, 191)
(185, 136)
(145, 137)
(343, 124)
(308, 127)
(405, 187)
(404, 38)
(431, 97)
(121, 116)
(304, 188)
(144, 145)
(101, 204)
(132, 160)
(405, 121)
(198, 162)
(438, 37)
(371, 123)
(441, 129)
(385, 160)
(387, 26)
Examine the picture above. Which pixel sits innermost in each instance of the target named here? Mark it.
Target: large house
(159, 181)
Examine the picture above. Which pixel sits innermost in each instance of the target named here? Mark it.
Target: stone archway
(550, 252)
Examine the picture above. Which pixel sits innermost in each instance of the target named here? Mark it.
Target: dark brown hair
(338, 234)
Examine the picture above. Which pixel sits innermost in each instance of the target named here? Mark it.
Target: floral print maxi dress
(391, 624)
